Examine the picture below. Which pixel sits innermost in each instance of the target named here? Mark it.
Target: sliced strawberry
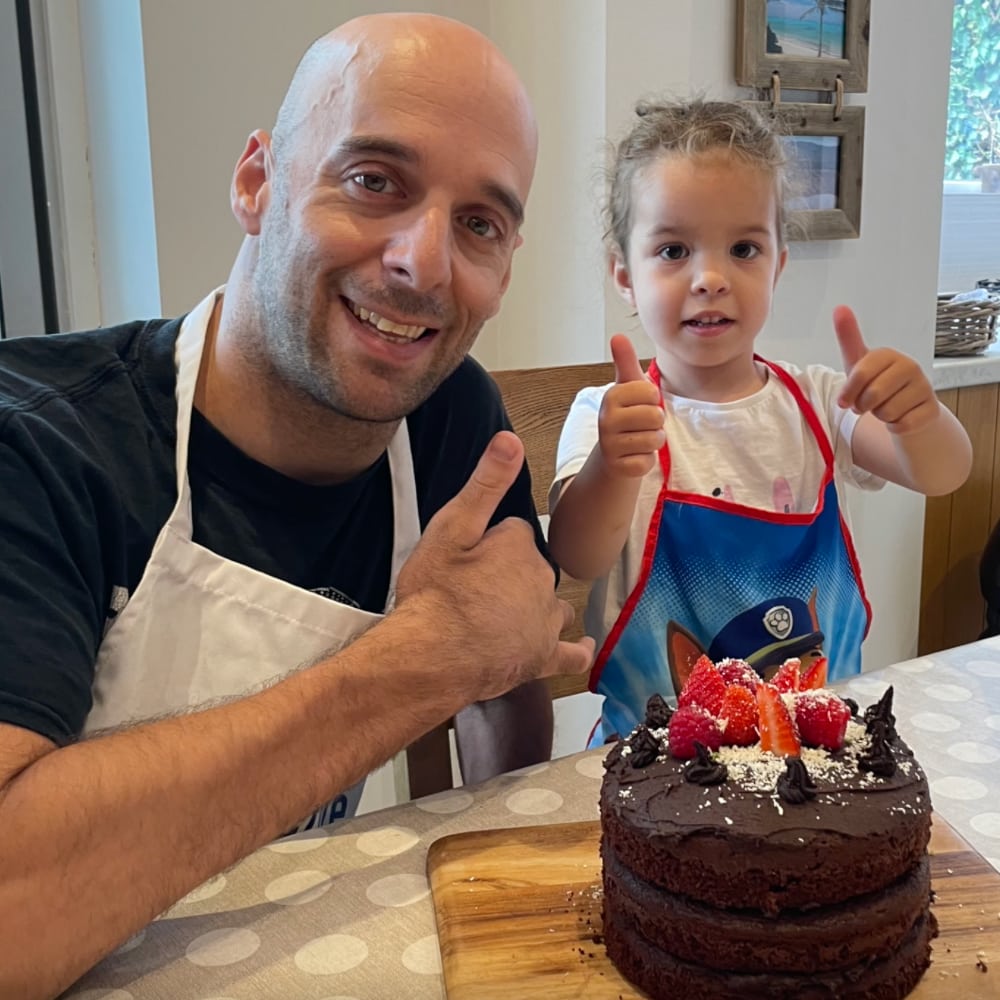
(777, 730)
(814, 676)
(788, 678)
(739, 672)
(705, 687)
(738, 717)
(688, 724)
(821, 718)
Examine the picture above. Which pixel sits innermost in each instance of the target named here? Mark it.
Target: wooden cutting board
(519, 917)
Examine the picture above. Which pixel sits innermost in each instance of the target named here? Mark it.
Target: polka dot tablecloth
(348, 915)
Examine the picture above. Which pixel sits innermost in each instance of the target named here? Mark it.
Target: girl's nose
(710, 280)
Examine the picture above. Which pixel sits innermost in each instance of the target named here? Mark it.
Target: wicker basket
(965, 327)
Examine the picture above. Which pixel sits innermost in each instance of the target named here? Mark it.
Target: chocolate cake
(734, 871)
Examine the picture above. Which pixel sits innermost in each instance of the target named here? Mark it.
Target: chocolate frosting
(658, 800)
(644, 747)
(881, 711)
(658, 712)
(795, 786)
(878, 758)
(703, 769)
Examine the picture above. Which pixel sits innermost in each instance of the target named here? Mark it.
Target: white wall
(118, 159)
(214, 71)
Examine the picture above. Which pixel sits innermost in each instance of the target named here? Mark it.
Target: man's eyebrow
(380, 146)
(508, 199)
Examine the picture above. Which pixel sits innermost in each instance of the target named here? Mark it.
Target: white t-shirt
(757, 451)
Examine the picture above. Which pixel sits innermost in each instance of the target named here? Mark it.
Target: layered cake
(766, 840)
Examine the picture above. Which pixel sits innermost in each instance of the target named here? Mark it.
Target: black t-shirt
(87, 439)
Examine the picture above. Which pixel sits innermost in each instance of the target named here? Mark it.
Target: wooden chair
(537, 401)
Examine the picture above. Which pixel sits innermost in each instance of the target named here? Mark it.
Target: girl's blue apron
(738, 579)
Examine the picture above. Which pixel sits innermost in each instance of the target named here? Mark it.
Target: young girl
(702, 496)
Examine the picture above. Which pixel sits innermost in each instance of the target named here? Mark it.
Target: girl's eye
(673, 251)
(745, 251)
(377, 183)
(483, 227)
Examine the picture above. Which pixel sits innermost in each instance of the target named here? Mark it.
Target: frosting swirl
(881, 711)
(796, 786)
(878, 759)
(704, 769)
(644, 747)
(658, 712)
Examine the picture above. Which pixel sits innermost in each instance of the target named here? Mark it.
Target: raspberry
(690, 723)
(821, 718)
(704, 687)
(788, 678)
(738, 717)
(814, 676)
(739, 672)
(777, 730)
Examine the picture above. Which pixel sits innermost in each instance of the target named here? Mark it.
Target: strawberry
(738, 717)
(777, 730)
(814, 676)
(739, 672)
(688, 724)
(821, 718)
(788, 678)
(704, 687)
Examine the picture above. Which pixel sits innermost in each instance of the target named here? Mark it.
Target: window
(970, 224)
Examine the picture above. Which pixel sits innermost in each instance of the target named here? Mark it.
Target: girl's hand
(884, 382)
(630, 424)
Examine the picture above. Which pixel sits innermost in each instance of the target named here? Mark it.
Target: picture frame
(826, 170)
(837, 29)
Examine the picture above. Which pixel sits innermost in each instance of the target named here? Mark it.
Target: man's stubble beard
(290, 339)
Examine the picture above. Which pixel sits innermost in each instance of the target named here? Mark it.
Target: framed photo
(827, 156)
(809, 43)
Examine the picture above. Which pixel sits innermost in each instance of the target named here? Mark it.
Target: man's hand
(630, 424)
(488, 589)
(886, 383)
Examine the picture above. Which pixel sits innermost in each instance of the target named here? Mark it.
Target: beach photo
(804, 44)
(815, 172)
(812, 29)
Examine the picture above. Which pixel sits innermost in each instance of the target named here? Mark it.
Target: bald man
(255, 551)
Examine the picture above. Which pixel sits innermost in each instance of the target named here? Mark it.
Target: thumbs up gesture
(886, 383)
(630, 424)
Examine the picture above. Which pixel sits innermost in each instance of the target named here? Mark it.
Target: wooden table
(349, 916)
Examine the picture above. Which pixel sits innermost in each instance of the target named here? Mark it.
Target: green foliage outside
(974, 95)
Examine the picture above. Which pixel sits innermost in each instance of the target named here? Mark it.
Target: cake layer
(834, 937)
(739, 844)
(665, 977)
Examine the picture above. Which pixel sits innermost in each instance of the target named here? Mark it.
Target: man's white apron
(200, 628)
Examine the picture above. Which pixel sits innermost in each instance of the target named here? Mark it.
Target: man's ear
(618, 270)
(250, 190)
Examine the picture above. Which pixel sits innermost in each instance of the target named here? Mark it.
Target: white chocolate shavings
(754, 770)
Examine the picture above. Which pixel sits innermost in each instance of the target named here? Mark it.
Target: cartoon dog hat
(768, 634)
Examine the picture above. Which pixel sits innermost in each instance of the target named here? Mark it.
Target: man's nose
(418, 254)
